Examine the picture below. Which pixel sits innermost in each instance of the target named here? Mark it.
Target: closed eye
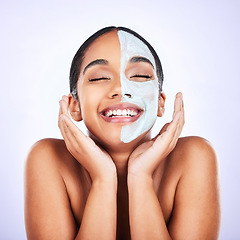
(141, 76)
(138, 76)
(98, 79)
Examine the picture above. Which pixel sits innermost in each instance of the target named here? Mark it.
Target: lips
(121, 113)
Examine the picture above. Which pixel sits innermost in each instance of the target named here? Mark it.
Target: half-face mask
(144, 94)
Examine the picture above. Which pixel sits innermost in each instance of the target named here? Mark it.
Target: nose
(116, 90)
(126, 94)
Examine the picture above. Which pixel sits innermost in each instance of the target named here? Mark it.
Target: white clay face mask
(143, 94)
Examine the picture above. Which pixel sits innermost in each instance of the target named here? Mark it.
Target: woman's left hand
(146, 158)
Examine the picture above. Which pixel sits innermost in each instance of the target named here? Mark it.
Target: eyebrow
(96, 62)
(140, 59)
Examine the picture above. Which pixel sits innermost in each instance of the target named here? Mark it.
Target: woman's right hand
(96, 161)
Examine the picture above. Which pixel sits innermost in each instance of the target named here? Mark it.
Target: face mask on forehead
(143, 94)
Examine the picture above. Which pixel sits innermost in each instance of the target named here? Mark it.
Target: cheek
(88, 102)
(148, 92)
(143, 93)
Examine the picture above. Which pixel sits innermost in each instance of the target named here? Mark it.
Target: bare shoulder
(197, 191)
(194, 151)
(53, 155)
(194, 143)
(54, 148)
(51, 177)
(49, 160)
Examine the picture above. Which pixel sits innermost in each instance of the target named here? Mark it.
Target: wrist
(139, 170)
(105, 174)
(142, 180)
(108, 181)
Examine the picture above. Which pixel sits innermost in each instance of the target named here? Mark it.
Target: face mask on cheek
(143, 94)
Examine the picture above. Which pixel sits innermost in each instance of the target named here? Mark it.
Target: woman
(117, 182)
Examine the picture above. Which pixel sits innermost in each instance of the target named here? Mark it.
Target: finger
(179, 109)
(183, 111)
(69, 126)
(178, 130)
(74, 134)
(181, 120)
(62, 127)
(62, 124)
(171, 131)
(179, 127)
(64, 105)
(60, 109)
(169, 134)
(70, 137)
(164, 128)
(173, 126)
(77, 142)
(177, 103)
(165, 140)
(59, 114)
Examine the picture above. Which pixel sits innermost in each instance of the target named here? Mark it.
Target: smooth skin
(88, 187)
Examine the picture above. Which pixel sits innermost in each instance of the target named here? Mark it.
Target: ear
(161, 104)
(74, 108)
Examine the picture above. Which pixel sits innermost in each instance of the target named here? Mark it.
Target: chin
(112, 141)
(107, 139)
(144, 137)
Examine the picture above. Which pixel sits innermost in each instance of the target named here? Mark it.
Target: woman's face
(118, 88)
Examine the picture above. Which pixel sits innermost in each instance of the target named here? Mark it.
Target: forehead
(116, 45)
(106, 46)
(133, 46)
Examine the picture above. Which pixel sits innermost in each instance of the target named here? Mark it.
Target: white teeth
(133, 113)
(109, 113)
(119, 112)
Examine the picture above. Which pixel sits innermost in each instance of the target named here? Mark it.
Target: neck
(121, 162)
(120, 152)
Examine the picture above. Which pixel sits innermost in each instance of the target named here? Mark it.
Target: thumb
(164, 128)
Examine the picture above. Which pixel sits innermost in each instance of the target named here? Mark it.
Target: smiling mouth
(121, 113)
